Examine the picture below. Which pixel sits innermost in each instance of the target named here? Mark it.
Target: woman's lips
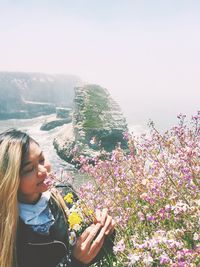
(48, 181)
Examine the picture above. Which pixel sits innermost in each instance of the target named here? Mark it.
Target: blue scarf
(39, 215)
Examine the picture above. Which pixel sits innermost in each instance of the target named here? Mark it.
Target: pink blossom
(119, 247)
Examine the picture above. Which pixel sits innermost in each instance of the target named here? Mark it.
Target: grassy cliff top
(97, 107)
(97, 110)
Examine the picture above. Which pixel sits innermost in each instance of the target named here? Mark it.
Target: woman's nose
(41, 170)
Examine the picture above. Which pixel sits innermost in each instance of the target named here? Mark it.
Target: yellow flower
(88, 212)
(74, 219)
(69, 198)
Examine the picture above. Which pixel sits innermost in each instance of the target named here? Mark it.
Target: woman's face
(34, 171)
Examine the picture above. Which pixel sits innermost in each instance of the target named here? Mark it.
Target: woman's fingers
(91, 241)
(86, 233)
(92, 234)
(96, 245)
(104, 215)
(83, 245)
(97, 215)
(106, 221)
(110, 228)
(101, 215)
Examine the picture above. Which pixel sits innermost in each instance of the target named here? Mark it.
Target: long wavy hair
(14, 145)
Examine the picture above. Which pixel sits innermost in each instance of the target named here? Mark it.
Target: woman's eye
(28, 170)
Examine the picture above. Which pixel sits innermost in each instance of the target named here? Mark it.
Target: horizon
(146, 54)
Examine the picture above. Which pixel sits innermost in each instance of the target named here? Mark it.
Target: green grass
(96, 104)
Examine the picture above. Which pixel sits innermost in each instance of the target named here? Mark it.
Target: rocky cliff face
(98, 124)
(33, 94)
(97, 118)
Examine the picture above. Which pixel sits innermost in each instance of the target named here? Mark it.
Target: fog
(146, 53)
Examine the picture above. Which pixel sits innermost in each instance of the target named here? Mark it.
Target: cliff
(25, 95)
(98, 125)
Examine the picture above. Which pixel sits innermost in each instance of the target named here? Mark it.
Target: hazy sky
(145, 52)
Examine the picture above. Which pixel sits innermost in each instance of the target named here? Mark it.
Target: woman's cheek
(26, 185)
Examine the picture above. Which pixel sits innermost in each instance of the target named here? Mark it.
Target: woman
(33, 222)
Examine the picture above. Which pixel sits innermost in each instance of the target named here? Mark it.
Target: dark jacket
(53, 250)
(37, 250)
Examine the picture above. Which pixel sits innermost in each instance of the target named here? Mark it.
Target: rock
(64, 142)
(54, 122)
(98, 118)
(63, 112)
(98, 125)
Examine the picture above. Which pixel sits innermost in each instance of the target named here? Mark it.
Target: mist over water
(161, 106)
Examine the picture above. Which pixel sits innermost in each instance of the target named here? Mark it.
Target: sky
(145, 52)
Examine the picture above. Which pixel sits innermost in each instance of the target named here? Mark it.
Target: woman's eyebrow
(29, 162)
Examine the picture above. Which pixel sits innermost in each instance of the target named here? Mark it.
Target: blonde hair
(55, 194)
(14, 145)
(11, 150)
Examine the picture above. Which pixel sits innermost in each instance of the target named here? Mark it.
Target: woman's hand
(91, 241)
(88, 244)
(106, 220)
